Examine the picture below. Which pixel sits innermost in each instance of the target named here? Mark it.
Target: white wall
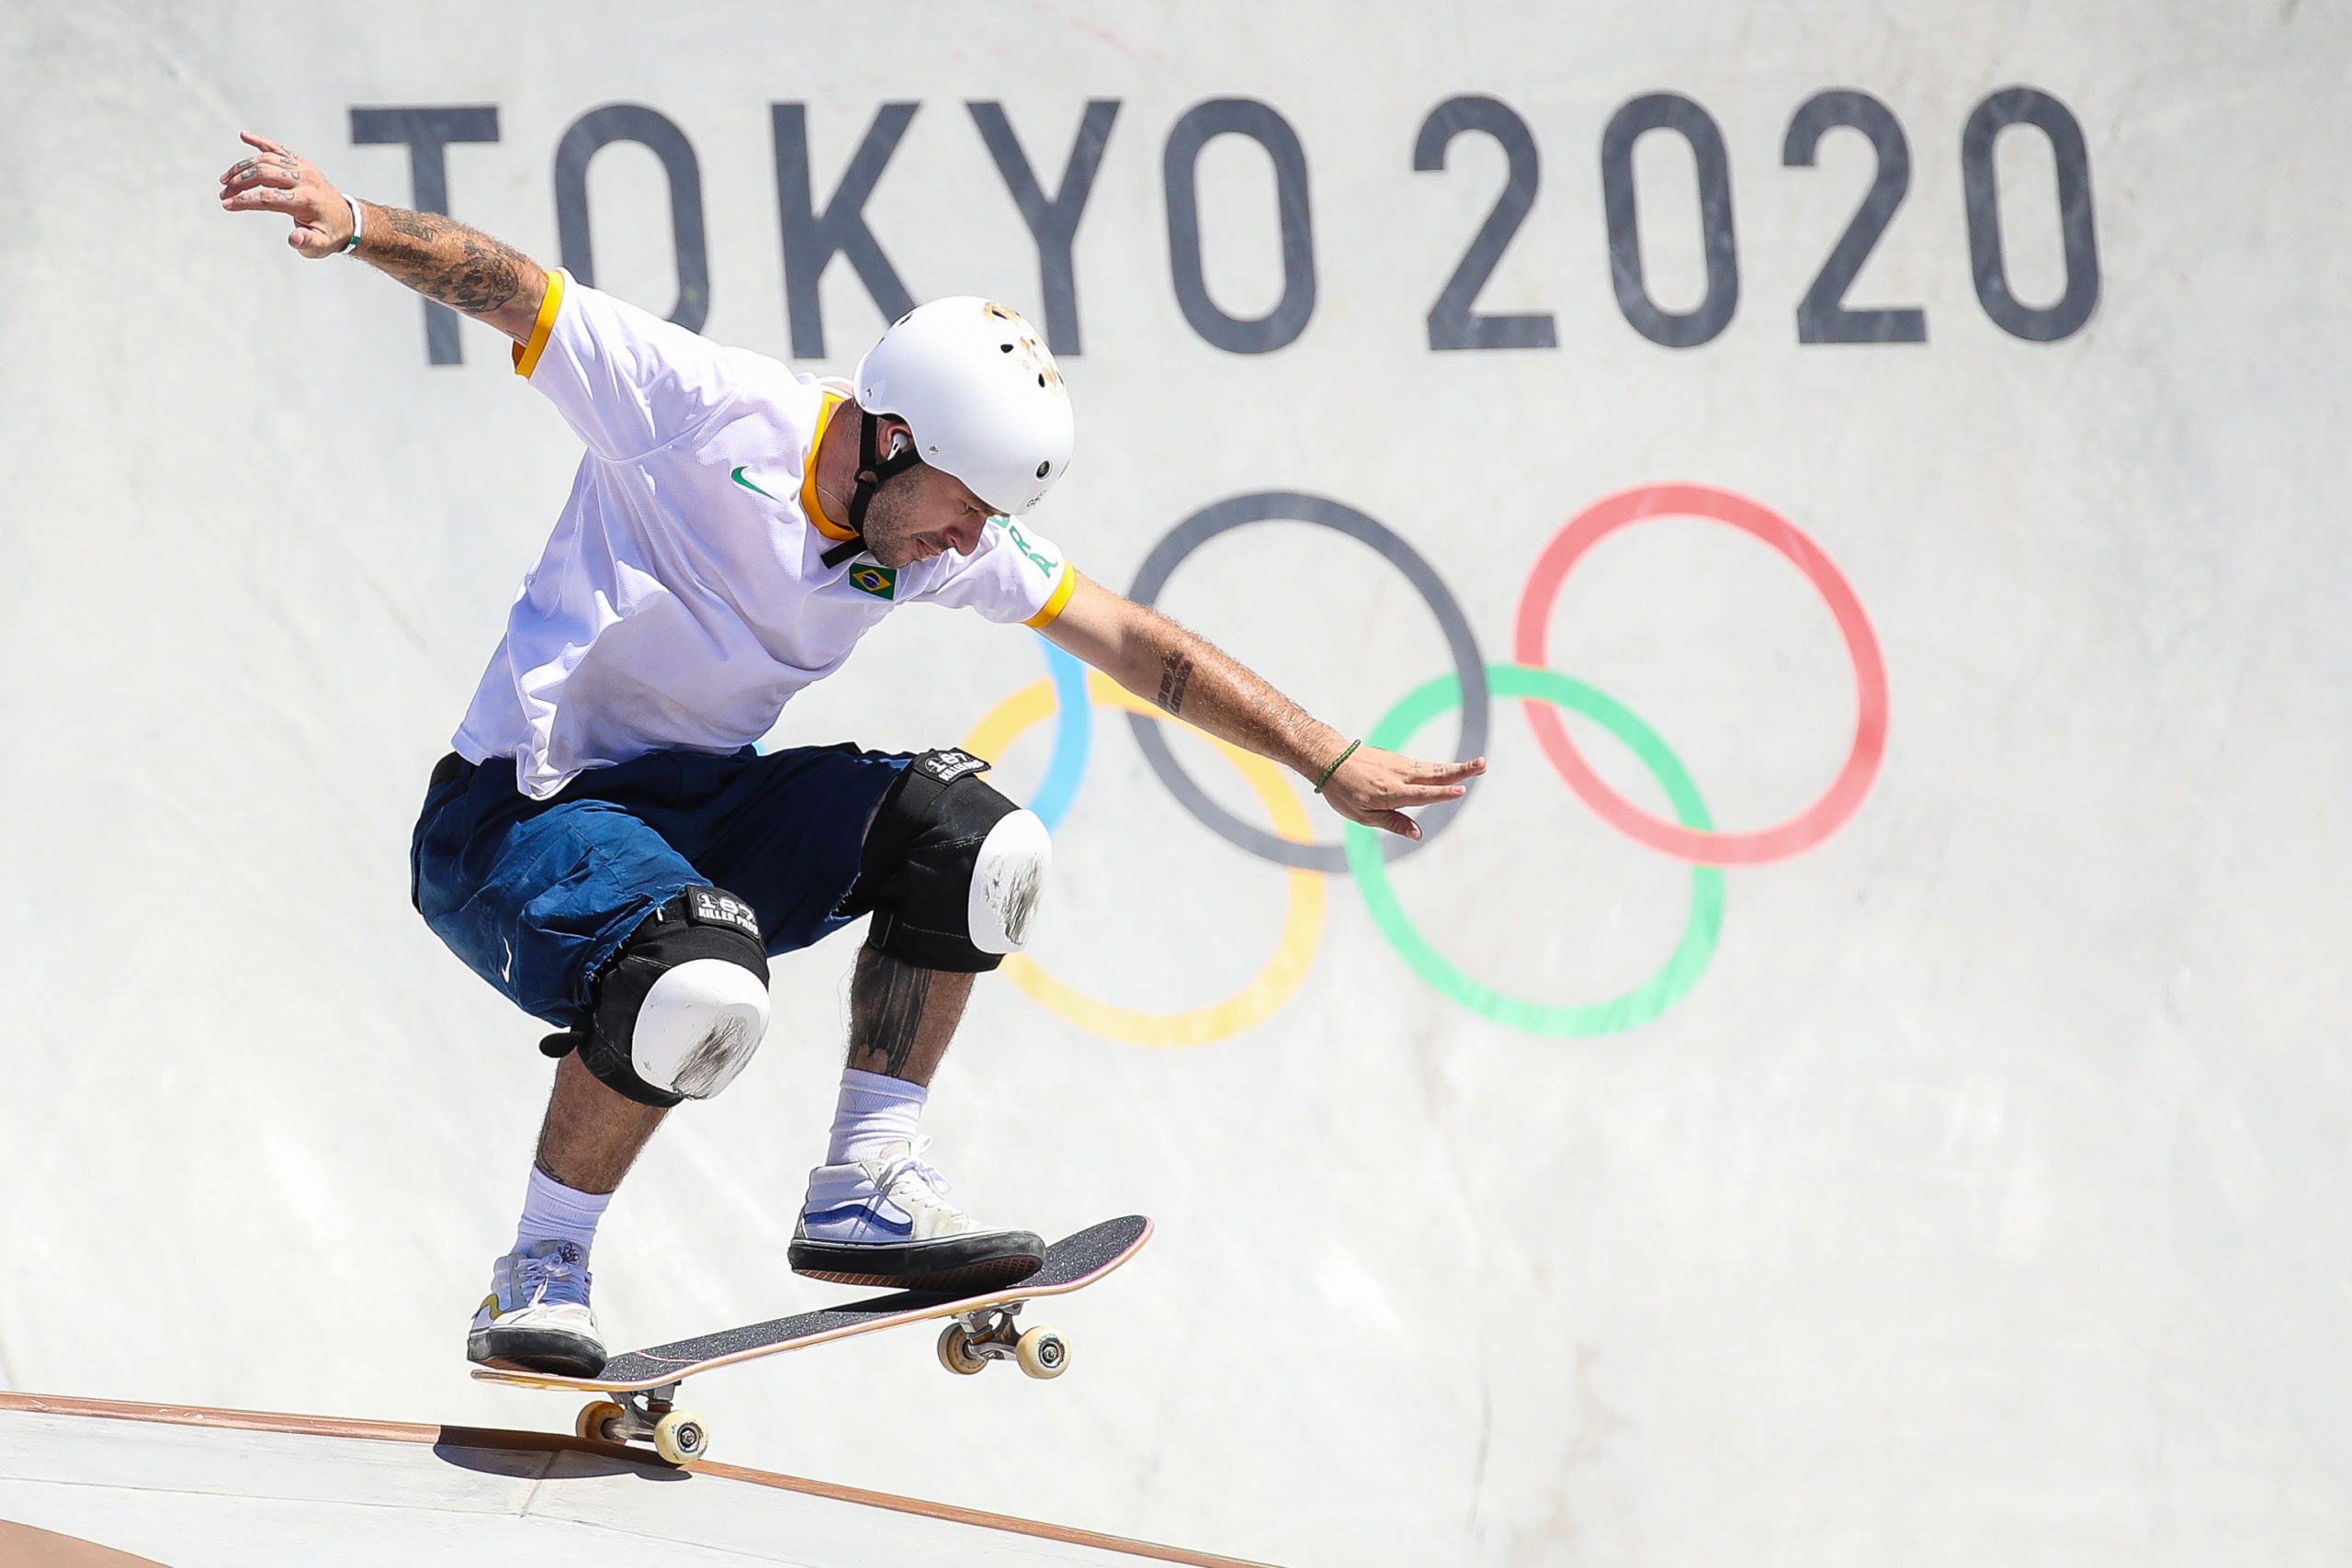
(1984, 1201)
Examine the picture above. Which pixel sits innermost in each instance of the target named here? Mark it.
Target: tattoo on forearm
(444, 260)
(886, 999)
(1237, 704)
(1175, 672)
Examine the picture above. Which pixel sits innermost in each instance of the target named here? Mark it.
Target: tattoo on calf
(1175, 672)
(886, 1006)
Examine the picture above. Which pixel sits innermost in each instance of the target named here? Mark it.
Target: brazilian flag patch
(882, 581)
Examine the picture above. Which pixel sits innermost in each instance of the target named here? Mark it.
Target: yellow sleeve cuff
(527, 355)
(1059, 597)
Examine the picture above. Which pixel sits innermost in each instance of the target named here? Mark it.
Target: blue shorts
(536, 894)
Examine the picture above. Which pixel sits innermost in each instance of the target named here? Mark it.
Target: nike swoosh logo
(738, 477)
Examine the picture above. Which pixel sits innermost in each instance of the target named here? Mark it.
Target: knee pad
(952, 870)
(682, 1006)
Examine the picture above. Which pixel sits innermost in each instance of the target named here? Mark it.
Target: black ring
(1266, 506)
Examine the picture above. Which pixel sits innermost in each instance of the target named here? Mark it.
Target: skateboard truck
(972, 1339)
(642, 1415)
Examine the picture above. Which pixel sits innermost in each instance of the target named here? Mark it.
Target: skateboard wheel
(1042, 1353)
(593, 1418)
(956, 1352)
(680, 1435)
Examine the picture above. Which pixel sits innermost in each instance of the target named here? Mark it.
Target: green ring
(1644, 1002)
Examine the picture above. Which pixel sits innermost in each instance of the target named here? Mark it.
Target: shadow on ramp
(536, 1457)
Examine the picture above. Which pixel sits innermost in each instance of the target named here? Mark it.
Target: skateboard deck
(981, 1330)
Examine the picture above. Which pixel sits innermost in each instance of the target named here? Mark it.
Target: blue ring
(1073, 737)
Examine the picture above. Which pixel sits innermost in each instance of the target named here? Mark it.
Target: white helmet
(981, 392)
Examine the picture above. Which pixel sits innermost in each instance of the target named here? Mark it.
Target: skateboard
(980, 1329)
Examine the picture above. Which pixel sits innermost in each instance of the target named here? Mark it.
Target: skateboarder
(603, 845)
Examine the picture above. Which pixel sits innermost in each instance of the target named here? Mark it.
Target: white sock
(873, 1111)
(553, 1211)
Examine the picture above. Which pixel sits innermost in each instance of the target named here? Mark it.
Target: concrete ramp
(1864, 1079)
(98, 1483)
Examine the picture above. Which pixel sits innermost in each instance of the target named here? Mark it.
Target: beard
(891, 522)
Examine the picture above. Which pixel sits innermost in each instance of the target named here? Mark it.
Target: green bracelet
(1335, 765)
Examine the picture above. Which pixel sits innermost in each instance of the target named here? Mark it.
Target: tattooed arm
(1189, 678)
(439, 257)
(464, 269)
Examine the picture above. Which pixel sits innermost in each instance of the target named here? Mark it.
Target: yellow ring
(1302, 925)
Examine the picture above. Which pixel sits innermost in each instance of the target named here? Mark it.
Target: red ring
(1845, 793)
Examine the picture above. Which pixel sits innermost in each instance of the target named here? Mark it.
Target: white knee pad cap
(698, 1026)
(1007, 876)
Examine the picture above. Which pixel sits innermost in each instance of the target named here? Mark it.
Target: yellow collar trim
(809, 504)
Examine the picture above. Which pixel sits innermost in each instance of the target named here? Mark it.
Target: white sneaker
(535, 1318)
(884, 1221)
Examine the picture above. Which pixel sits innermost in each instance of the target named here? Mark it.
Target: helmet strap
(874, 471)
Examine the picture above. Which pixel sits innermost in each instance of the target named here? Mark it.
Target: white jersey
(684, 597)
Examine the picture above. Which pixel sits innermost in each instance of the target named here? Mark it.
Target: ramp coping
(540, 1442)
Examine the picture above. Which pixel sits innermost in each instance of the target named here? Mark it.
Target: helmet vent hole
(1041, 467)
(1041, 377)
(1004, 348)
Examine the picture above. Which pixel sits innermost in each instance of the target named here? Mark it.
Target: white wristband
(352, 244)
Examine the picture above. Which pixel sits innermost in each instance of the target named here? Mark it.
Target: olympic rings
(1274, 986)
(1073, 737)
(1071, 693)
(1845, 793)
(1470, 667)
(1637, 1006)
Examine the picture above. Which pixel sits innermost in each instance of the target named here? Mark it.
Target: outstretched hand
(1372, 786)
(275, 180)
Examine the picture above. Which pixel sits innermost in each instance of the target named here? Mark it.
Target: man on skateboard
(603, 845)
